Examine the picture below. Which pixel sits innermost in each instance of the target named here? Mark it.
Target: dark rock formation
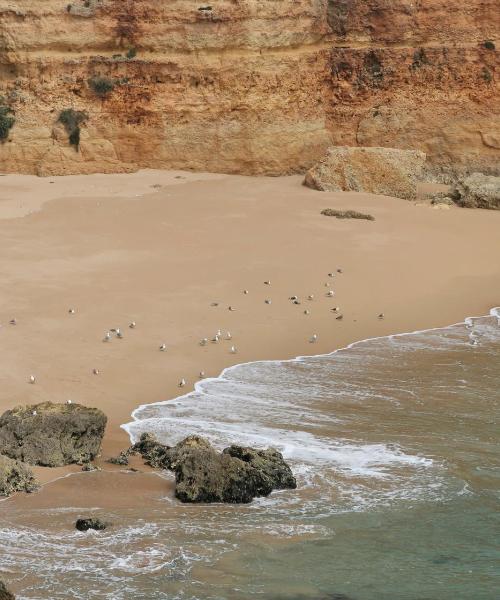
(15, 477)
(478, 191)
(90, 523)
(202, 474)
(52, 435)
(4, 593)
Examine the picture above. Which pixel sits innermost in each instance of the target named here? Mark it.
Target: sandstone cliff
(248, 86)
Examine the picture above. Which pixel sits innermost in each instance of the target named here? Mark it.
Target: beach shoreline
(160, 248)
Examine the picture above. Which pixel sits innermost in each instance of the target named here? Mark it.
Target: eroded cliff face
(247, 86)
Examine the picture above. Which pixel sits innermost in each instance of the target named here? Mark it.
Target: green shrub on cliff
(102, 86)
(72, 119)
(6, 120)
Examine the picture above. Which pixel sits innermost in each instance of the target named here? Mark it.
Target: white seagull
(310, 297)
(13, 322)
(182, 382)
(229, 336)
(163, 347)
(306, 312)
(381, 316)
(202, 374)
(233, 349)
(95, 371)
(313, 339)
(245, 291)
(330, 294)
(32, 379)
(267, 301)
(71, 311)
(132, 325)
(107, 337)
(69, 401)
(204, 342)
(215, 339)
(268, 282)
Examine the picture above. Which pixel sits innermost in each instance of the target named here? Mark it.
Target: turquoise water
(395, 445)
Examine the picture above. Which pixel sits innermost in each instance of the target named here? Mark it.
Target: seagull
(268, 282)
(381, 316)
(331, 274)
(229, 336)
(71, 311)
(182, 382)
(292, 298)
(69, 401)
(339, 318)
(330, 294)
(339, 271)
(13, 322)
(233, 349)
(219, 333)
(107, 337)
(215, 339)
(335, 309)
(313, 339)
(34, 413)
(306, 312)
(132, 325)
(231, 308)
(245, 291)
(214, 304)
(163, 347)
(310, 297)
(32, 379)
(119, 334)
(267, 301)
(204, 342)
(474, 342)
(202, 374)
(95, 371)
(327, 284)
(296, 302)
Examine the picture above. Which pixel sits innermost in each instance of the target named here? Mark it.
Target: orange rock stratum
(246, 86)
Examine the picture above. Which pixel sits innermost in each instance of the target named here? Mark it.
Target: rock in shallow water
(86, 524)
(15, 477)
(52, 435)
(236, 475)
(4, 593)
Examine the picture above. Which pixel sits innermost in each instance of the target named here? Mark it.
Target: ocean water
(395, 443)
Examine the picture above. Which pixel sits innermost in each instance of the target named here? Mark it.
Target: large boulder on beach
(52, 435)
(386, 171)
(15, 477)
(4, 592)
(477, 191)
(202, 474)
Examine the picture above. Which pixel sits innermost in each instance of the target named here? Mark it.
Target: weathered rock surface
(4, 593)
(91, 523)
(52, 435)
(15, 477)
(237, 475)
(387, 171)
(248, 87)
(477, 191)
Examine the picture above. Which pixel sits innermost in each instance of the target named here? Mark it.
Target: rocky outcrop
(246, 87)
(385, 171)
(477, 191)
(237, 475)
(4, 593)
(15, 477)
(52, 435)
(91, 523)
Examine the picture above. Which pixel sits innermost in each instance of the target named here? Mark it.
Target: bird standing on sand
(339, 318)
(310, 297)
(474, 342)
(306, 312)
(268, 282)
(292, 298)
(331, 274)
(32, 379)
(296, 302)
(201, 374)
(71, 311)
(267, 301)
(215, 339)
(339, 271)
(231, 308)
(330, 294)
(69, 401)
(313, 339)
(163, 347)
(233, 350)
(381, 316)
(107, 337)
(245, 291)
(13, 322)
(132, 325)
(95, 371)
(119, 334)
(182, 382)
(229, 336)
(204, 342)
(335, 309)
(34, 413)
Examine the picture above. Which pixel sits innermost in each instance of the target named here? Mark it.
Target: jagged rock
(91, 523)
(154, 454)
(15, 477)
(442, 198)
(4, 593)
(386, 171)
(478, 191)
(52, 435)
(89, 467)
(269, 462)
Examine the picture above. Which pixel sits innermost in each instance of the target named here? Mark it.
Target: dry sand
(159, 247)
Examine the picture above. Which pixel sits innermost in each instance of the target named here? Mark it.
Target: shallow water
(395, 445)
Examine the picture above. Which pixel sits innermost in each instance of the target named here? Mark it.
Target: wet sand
(159, 248)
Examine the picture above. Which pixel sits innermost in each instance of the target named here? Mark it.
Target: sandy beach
(160, 248)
